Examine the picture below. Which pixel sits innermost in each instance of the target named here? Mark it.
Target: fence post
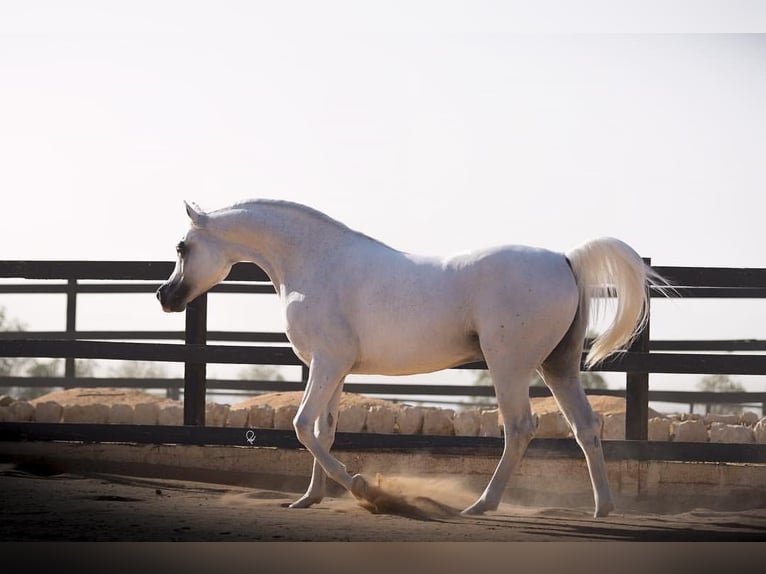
(637, 386)
(195, 374)
(71, 327)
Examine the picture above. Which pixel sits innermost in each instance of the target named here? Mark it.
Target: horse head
(200, 264)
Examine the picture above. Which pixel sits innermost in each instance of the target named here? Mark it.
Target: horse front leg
(325, 432)
(326, 378)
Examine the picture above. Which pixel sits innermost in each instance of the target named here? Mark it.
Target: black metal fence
(731, 357)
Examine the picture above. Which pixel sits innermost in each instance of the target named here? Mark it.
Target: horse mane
(304, 210)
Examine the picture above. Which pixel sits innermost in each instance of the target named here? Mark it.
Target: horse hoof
(304, 502)
(474, 510)
(359, 486)
(603, 510)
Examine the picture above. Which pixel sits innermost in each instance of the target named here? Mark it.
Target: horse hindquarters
(598, 263)
(517, 328)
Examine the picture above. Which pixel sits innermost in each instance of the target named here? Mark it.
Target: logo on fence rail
(250, 437)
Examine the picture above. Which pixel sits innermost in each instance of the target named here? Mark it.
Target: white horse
(354, 305)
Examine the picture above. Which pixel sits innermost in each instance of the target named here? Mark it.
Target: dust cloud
(418, 497)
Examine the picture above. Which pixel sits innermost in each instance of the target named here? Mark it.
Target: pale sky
(428, 128)
(434, 126)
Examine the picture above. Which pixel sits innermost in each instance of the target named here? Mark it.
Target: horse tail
(608, 267)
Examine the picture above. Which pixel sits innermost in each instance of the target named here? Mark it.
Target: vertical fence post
(71, 328)
(195, 379)
(637, 386)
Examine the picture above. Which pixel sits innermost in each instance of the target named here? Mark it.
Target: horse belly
(408, 352)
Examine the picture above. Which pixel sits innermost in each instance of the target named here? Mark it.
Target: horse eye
(181, 248)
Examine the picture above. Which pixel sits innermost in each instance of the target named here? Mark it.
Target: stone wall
(360, 414)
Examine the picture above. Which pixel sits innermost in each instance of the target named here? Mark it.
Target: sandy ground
(38, 505)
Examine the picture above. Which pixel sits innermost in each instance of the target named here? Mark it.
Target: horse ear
(196, 214)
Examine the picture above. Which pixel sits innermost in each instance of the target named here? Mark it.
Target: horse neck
(283, 242)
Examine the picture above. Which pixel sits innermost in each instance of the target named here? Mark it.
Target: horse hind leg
(561, 372)
(324, 430)
(519, 426)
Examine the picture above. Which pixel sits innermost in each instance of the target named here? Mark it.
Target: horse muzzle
(172, 298)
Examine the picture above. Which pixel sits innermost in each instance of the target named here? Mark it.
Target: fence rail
(80, 277)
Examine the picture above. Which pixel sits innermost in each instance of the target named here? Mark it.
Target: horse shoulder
(312, 328)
